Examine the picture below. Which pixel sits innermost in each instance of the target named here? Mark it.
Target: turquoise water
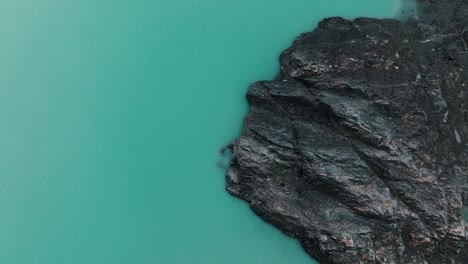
(112, 116)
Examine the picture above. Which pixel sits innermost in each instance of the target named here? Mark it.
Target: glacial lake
(112, 117)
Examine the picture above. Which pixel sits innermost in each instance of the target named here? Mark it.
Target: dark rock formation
(359, 147)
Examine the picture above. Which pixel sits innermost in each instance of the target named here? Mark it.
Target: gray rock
(359, 147)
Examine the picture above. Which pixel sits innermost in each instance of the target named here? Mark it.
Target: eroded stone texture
(359, 147)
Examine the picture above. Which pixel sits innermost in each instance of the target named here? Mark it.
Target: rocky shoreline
(359, 147)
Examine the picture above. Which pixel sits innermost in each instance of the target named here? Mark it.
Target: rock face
(359, 147)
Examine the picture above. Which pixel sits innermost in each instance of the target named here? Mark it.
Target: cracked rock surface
(359, 147)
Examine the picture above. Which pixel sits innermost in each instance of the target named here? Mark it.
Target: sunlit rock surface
(359, 147)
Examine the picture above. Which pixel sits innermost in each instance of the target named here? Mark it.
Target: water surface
(112, 114)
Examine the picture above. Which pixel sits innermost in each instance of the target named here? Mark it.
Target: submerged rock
(359, 147)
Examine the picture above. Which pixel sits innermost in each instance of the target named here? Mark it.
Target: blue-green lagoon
(112, 116)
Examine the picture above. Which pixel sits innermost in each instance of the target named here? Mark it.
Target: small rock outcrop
(359, 147)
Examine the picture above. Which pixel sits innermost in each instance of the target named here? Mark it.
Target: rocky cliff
(359, 147)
